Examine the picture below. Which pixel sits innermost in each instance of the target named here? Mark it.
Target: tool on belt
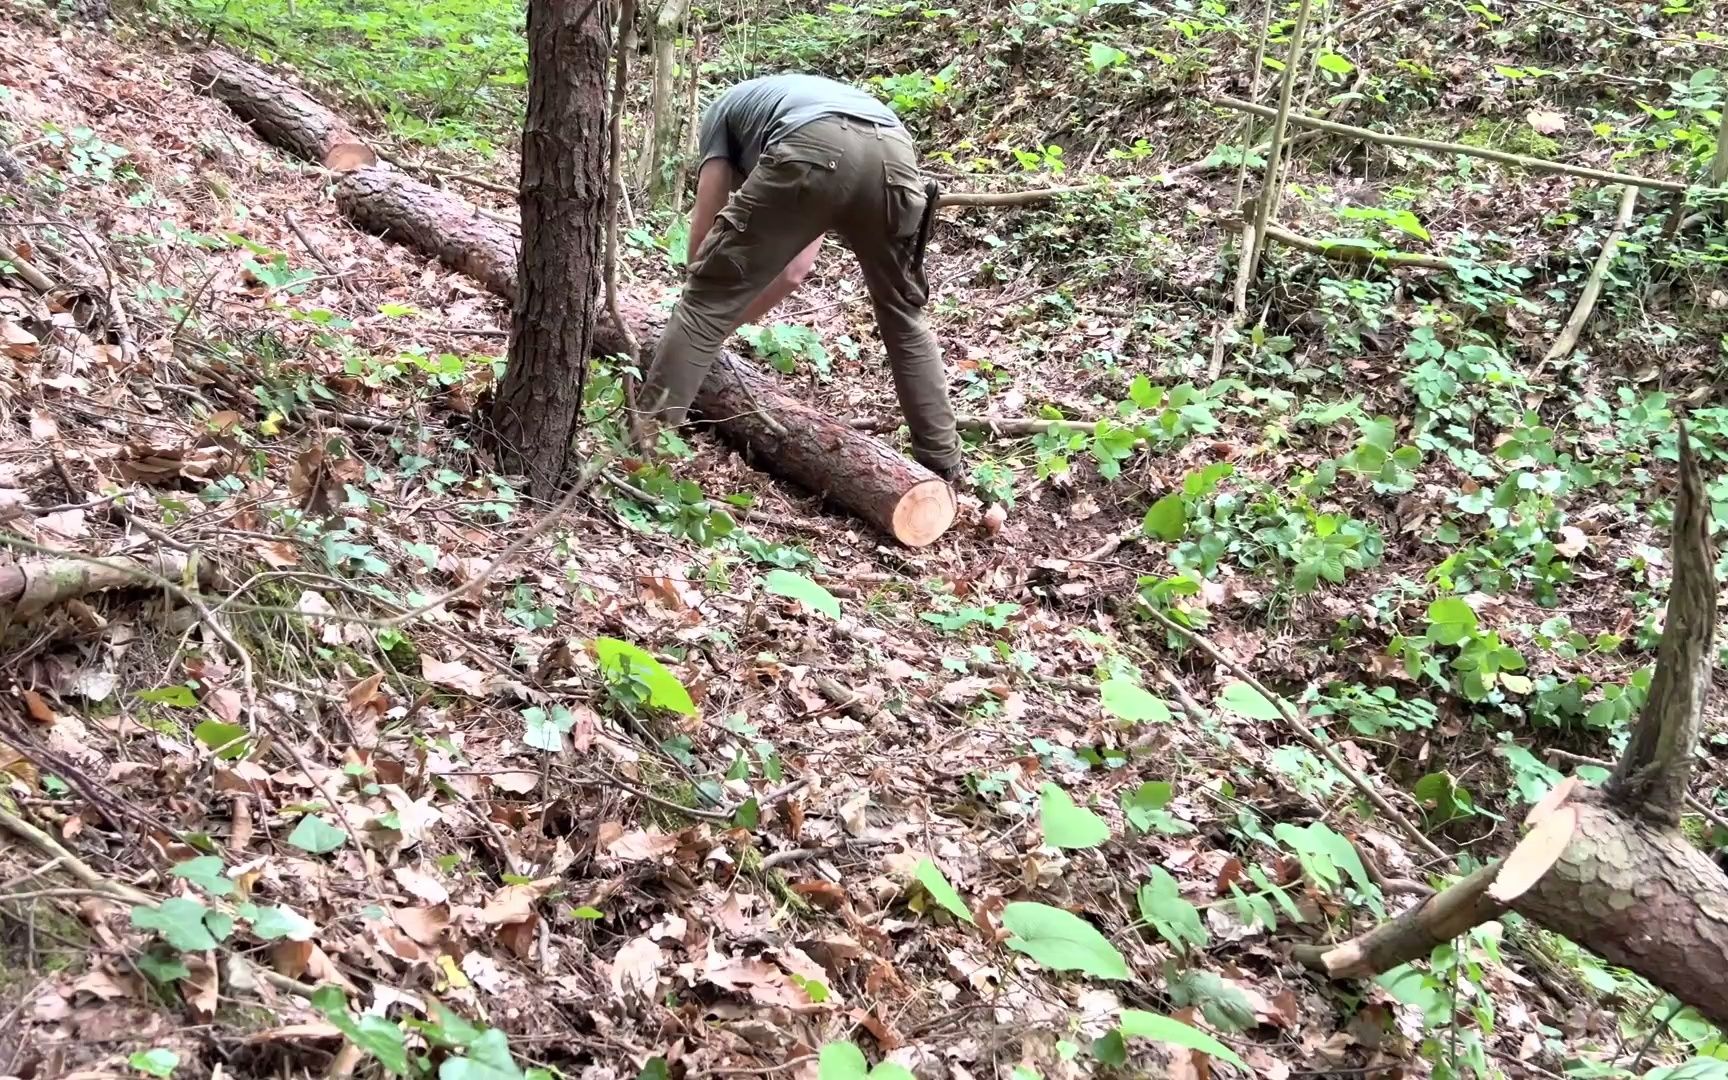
(926, 224)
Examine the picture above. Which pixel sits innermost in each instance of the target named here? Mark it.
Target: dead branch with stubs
(1568, 339)
(1608, 868)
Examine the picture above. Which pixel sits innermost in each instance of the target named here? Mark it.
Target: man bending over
(785, 160)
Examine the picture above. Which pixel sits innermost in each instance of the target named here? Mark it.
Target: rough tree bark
(280, 113)
(1608, 868)
(563, 207)
(664, 127)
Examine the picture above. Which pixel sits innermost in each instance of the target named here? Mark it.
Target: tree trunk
(664, 128)
(281, 114)
(563, 207)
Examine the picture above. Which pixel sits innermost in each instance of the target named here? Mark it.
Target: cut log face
(924, 513)
(280, 113)
(1535, 855)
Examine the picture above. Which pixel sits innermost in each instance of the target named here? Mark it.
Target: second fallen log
(281, 114)
(779, 433)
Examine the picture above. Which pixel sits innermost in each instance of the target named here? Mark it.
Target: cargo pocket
(720, 257)
(903, 196)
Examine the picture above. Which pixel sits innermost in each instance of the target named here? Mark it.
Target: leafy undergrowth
(706, 779)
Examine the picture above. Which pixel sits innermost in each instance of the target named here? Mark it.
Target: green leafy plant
(1062, 941)
(635, 678)
(783, 345)
(1067, 825)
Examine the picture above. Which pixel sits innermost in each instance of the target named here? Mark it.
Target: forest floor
(709, 777)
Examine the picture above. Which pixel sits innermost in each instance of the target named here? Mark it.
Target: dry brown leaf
(279, 554)
(640, 845)
(514, 903)
(1572, 542)
(516, 782)
(454, 675)
(42, 426)
(17, 342)
(421, 885)
(38, 708)
(68, 524)
(202, 987)
(225, 704)
(636, 968)
(364, 695)
(1545, 121)
(426, 925)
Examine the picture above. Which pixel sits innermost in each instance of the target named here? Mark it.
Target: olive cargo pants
(834, 174)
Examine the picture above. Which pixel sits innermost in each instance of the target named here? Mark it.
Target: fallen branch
(21, 266)
(1353, 253)
(30, 586)
(1535, 164)
(1568, 339)
(1012, 198)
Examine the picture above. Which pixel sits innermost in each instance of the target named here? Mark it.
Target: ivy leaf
(1067, 825)
(228, 740)
(205, 872)
(802, 589)
(158, 1061)
(1100, 56)
(317, 836)
(1247, 702)
(1165, 1029)
(1167, 518)
(1062, 941)
(282, 922)
(179, 696)
(620, 658)
(936, 884)
(1334, 63)
(545, 730)
(841, 1061)
(1450, 620)
(374, 1034)
(179, 921)
(488, 1059)
(1129, 702)
(1176, 920)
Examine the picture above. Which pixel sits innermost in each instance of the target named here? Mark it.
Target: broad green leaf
(544, 730)
(1062, 941)
(1067, 825)
(205, 872)
(620, 658)
(655, 1069)
(1131, 703)
(488, 1059)
(1451, 620)
(841, 1061)
(228, 740)
(802, 589)
(316, 835)
(1100, 56)
(1223, 1004)
(586, 912)
(179, 921)
(1144, 808)
(1247, 702)
(1167, 518)
(1176, 920)
(1137, 1023)
(272, 923)
(162, 968)
(1334, 63)
(180, 697)
(936, 884)
(374, 1034)
(155, 1062)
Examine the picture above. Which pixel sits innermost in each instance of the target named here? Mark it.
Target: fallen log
(30, 586)
(780, 434)
(281, 114)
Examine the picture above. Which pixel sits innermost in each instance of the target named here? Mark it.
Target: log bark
(281, 114)
(563, 214)
(29, 587)
(856, 472)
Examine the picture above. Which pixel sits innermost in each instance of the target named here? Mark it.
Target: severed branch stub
(1608, 868)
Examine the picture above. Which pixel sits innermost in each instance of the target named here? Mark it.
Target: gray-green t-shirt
(756, 114)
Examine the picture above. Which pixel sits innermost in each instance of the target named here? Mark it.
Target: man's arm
(714, 184)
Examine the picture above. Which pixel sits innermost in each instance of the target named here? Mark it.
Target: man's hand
(714, 185)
